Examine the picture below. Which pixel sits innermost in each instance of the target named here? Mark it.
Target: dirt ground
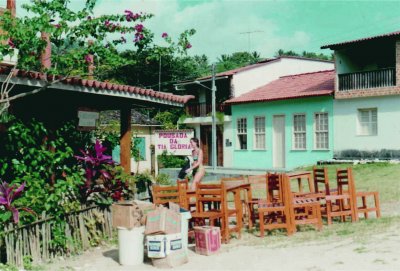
(370, 252)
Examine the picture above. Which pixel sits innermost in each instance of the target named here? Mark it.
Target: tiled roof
(312, 84)
(99, 85)
(334, 45)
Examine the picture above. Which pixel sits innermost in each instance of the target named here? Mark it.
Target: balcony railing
(370, 79)
(202, 109)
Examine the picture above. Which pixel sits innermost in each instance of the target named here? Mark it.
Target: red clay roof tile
(289, 87)
(334, 45)
(97, 84)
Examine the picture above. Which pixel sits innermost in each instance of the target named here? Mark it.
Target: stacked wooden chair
(184, 200)
(164, 194)
(274, 213)
(284, 209)
(364, 208)
(210, 206)
(258, 185)
(321, 181)
(304, 210)
(345, 178)
(235, 209)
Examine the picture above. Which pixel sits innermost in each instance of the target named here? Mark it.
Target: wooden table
(236, 190)
(299, 175)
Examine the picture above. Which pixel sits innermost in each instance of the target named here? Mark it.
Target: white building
(232, 84)
(367, 97)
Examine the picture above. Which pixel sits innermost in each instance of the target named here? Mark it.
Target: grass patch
(360, 250)
(382, 177)
(381, 261)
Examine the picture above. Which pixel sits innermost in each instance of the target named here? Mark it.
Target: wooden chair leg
(377, 204)
(319, 217)
(261, 219)
(364, 205)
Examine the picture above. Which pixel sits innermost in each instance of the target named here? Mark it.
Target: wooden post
(125, 141)
(11, 5)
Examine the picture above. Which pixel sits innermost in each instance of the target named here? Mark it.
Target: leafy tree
(146, 67)
(282, 52)
(77, 38)
(236, 60)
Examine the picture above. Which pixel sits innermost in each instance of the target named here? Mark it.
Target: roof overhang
(334, 46)
(91, 90)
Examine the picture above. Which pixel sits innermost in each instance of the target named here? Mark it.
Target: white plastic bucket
(130, 245)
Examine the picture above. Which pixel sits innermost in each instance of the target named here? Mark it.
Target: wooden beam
(125, 140)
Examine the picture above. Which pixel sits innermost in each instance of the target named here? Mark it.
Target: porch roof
(38, 79)
(335, 45)
(312, 84)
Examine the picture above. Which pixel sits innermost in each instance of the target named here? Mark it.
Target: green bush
(171, 161)
(142, 180)
(163, 179)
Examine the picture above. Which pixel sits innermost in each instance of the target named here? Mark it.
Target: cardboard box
(159, 246)
(185, 217)
(163, 221)
(174, 259)
(126, 214)
(208, 239)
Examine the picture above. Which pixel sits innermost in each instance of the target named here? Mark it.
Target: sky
(265, 26)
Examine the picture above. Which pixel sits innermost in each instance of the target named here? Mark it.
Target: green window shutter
(139, 145)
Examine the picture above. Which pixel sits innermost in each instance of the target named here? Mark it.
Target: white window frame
(321, 131)
(238, 133)
(294, 132)
(370, 123)
(259, 133)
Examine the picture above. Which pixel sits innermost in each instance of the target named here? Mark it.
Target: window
(242, 133)
(139, 148)
(259, 133)
(299, 132)
(321, 131)
(367, 121)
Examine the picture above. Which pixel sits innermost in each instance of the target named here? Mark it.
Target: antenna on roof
(248, 36)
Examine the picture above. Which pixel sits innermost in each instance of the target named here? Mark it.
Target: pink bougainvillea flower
(57, 25)
(88, 58)
(188, 46)
(139, 27)
(164, 35)
(128, 15)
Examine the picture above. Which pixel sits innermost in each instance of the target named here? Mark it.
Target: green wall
(263, 159)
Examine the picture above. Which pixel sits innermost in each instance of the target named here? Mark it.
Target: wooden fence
(37, 240)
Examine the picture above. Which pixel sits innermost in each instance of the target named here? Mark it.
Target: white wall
(246, 81)
(228, 151)
(345, 124)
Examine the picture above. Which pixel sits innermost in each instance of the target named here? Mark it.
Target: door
(205, 137)
(206, 144)
(278, 141)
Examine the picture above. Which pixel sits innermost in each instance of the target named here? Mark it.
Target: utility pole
(159, 76)
(248, 37)
(214, 125)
